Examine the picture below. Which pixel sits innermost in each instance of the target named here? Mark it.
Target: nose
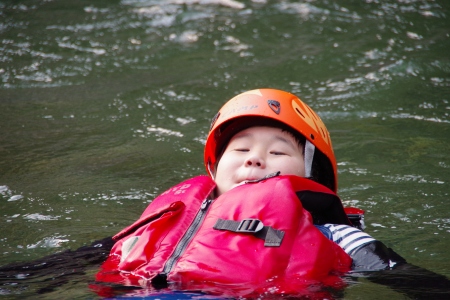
(255, 161)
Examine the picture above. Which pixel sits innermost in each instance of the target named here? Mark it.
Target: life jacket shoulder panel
(143, 247)
(224, 256)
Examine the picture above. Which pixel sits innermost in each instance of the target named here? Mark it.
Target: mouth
(247, 180)
(257, 179)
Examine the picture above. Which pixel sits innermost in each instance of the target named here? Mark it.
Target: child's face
(256, 152)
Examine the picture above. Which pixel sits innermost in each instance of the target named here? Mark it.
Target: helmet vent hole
(299, 112)
(312, 136)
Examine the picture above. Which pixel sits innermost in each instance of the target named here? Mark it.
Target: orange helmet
(275, 105)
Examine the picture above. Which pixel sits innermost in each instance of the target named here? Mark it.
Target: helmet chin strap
(309, 155)
(211, 173)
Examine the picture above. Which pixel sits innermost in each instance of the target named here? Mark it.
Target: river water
(104, 104)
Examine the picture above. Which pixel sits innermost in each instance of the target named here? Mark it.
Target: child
(266, 216)
(265, 221)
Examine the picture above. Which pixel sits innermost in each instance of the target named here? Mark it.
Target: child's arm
(382, 265)
(60, 267)
(394, 272)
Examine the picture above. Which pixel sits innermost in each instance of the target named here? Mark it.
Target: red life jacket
(191, 240)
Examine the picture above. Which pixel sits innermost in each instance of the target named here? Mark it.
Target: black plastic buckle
(250, 225)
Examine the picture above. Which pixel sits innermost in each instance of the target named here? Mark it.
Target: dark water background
(104, 104)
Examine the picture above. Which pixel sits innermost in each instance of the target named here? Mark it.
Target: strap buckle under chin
(272, 237)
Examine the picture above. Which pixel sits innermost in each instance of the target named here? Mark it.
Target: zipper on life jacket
(160, 281)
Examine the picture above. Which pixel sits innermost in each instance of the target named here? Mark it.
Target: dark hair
(321, 171)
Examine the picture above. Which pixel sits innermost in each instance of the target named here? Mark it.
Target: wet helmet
(274, 106)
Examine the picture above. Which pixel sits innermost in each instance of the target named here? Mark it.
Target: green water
(105, 104)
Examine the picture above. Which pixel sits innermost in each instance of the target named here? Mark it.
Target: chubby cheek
(222, 177)
(296, 167)
(228, 163)
(224, 183)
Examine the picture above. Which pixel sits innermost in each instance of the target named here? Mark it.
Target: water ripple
(49, 242)
(418, 117)
(40, 217)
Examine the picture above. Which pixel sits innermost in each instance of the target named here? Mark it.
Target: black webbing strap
(272, 237)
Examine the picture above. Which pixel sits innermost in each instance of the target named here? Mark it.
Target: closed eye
(241, 149)
(277, 153)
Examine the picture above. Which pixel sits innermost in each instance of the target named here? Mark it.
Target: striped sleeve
(348, 238)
